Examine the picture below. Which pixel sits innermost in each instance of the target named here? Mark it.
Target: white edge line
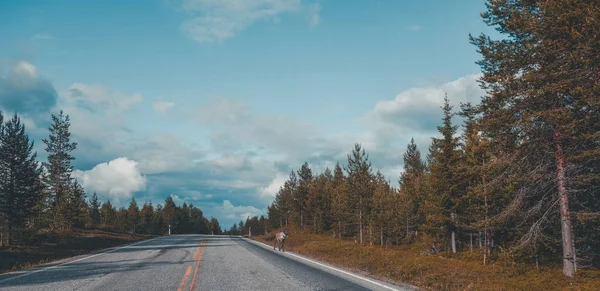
(335, 269)
(74, 261)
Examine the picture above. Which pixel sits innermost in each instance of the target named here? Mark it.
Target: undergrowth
(443, 271)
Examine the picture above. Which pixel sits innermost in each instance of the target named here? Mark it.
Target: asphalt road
(189, 262)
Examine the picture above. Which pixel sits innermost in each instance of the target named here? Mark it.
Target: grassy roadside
(48, 247)
(441, 272)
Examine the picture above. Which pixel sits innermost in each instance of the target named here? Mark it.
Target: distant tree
(108, 216)
(147, 218)
(305, 178)
(133, 216)
(58, 177)
(444, 155)
(20, 185)
(214, 226)
(339, 201)
(360, 187)
(94, 211)
(77, 207)
(412, 190)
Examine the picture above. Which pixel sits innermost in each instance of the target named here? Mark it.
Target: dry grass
(46, 247)
(439, 272)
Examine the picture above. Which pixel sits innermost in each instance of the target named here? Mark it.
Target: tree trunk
(568, 243)
(471, 245)
(485, 230)
(407, 225)
(453, 235)
(382, 236)
(360, 228)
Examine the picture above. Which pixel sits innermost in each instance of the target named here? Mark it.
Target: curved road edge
(371, 283)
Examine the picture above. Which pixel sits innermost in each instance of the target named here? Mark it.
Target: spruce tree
(411, 188)
(20, 184)
(94, 211)
(542, 83)
(339, 201)
(133, 216)
(360, 187)
(77, 207)
(305, 179)
(108, 216)
(444, 159)
(58, 179)
(147, 218)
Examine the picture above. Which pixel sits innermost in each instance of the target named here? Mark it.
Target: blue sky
(216, 101)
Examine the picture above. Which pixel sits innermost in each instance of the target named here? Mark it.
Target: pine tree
(133, 216)
(360, 187)
(339, 201)
(305, 179)
(20, 184)
(58, 177)
(3, 222)
(411, 188)
(381, 213)
(442, 204)
(542, 82)
(94, 211)
(147, 218)
(77, 207)
(108, 216)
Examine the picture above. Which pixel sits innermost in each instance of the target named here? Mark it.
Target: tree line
(45, 195)
(519, 177)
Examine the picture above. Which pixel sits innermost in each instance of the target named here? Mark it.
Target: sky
(214, 102)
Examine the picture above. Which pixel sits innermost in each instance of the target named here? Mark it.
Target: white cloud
(162, 107)
(25, 69)
(271, 190)
(417, 111)
(218, 20)
(97, 98)
(314, 18)
(242, 212)
(117, 179)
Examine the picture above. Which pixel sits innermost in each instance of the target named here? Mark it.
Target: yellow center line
(193, 285)
(196, 253)
(185, 277)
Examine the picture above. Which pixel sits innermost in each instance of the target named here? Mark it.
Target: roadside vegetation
(45, 213)
(44, 247)
(501, 201)
(413, 264)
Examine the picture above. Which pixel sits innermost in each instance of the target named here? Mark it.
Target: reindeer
(280, 237)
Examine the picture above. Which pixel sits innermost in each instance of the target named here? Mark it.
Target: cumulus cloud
(271, 190)
(96, 98)
(235, 127)
(218, 20)
(417, 110)
(117, 179)
(22, 90)
(239, 212)
(162, 106)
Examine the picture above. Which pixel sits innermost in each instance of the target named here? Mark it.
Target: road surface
(189, 262)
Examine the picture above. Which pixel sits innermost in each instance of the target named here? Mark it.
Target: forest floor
(45, 247)
(443, 271)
